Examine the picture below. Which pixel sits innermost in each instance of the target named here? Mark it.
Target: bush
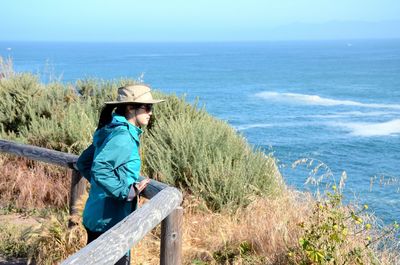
(339, 234)
(189, 148)
(17, 104)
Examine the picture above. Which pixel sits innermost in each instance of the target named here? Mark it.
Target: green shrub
(17, 105)
(189, 148)
(335, 233)
(67, 130)
(338, 234)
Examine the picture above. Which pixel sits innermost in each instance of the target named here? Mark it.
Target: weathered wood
(152, 188)
(65, 160)
(38, 153)
(78, 185)
(171, 238)
(114, 243)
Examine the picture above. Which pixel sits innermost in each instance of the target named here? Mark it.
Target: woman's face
(142, 115)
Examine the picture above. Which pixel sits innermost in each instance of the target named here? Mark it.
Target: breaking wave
(317, 100)
(252, 126)
(355, 114)
(365, 129)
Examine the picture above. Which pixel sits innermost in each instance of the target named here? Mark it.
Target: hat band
(125, 98)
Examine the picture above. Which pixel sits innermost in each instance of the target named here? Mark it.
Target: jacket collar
(133, 130)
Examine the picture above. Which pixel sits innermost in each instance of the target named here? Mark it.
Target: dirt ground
(18, 219)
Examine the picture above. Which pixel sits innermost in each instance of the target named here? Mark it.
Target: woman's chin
(144, 124)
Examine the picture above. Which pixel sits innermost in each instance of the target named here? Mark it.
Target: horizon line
(205, 41)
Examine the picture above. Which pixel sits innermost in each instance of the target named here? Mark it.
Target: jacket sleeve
(113, 164)
(85, 161)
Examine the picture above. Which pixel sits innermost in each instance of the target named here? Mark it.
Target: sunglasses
(147, 107)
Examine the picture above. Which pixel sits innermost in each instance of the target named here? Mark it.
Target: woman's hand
(143, 184)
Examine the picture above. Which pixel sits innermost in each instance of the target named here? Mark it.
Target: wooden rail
(107, 249)
(129, 231)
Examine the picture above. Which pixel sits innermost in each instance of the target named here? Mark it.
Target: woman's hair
(105, 115)
(121, 109)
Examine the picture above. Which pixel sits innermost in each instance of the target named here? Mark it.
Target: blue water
(333, 101)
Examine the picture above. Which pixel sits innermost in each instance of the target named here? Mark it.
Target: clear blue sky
(201, 20)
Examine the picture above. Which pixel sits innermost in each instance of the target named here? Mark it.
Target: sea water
(331, 102)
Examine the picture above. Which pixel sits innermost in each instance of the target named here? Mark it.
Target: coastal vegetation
(237, 207)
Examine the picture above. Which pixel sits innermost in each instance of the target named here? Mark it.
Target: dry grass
(261, 233)
(268, 226)
(6, 68)
(26, 184)
(53, 241)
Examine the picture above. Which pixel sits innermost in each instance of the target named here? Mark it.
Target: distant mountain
(335, 30)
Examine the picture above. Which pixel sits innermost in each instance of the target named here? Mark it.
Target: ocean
(330, 102)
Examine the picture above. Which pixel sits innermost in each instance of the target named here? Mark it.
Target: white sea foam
(317, 100)
(355, 114)
(279, 124)
(364, 129)
(252, 126)
(163, 55)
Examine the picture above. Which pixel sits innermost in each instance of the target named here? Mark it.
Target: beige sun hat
(139, 93)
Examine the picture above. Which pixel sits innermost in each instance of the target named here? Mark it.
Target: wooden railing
(164, 207)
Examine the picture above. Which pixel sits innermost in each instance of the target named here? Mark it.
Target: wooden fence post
(78, 185)
(171, 238)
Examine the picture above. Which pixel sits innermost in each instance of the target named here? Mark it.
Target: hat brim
(150, 101)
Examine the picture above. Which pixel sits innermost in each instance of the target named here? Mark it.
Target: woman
(112, 162)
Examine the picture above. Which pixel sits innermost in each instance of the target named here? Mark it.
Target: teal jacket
(112, 165)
